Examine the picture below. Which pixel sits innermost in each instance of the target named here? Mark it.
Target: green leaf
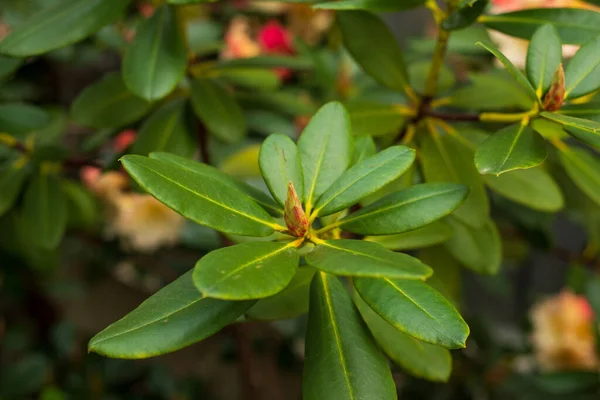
(544, 55)
(83, 207)
(12, 177)
(325, 148)
(444, 159)
(360, 258)
(218, 110)
(341, 360)
(421, 359)
(267, 61)
(548, 129)
(514, 71)
(384, 62)
(371, 5)
(25, 376)
(207, 201)
(479, 249)
(19, 118)
(289, 303)
(534, 188)
(584, 169)
(489, 91)
(108, 104)
(418, 73)
(8, 66)
(514, 147)
(175, 317)
(374, 119)
(589, 111)
(465, 15)
(45, 211)
(416, 309)
(365, 178)
(166, 130)
(447, 272)
(246, 271)
(364, 147)
(425, 236)
(156, 60)
(63, 23)
(582, 74)
(574, 26)
(406, 210)
(286, 103)
(250, 78)
(279, 165)
(256, 195)
(585, 130)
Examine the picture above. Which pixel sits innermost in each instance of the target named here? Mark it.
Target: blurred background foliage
(95, 247)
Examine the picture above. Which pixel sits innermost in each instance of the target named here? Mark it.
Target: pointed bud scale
(294, 215)
(556, 94)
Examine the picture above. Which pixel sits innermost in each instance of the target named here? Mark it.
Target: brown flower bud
(294, 215)
(556, 94)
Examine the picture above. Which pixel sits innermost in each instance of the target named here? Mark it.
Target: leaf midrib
(395, 205)
(270, 225)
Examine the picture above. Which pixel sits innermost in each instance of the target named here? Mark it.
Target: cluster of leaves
(337, 206)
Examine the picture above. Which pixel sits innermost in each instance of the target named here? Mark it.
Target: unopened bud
(294, 215)
(556, 94)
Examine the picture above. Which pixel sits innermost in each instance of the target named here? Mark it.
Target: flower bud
(294, 215)
(556, 94)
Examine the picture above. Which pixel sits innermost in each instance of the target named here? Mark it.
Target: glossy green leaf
(207, 201)
(406, 210)
(364, 147)
(370, 5)
(510, 67)
(175, 317)
(428, 235)
(548, 129)
(447, 272)
(12, 177)
(365, 178)
(421, 359)
(465, 15)
(574, 26)
(544, 55)
(583, 168)
(444, 159)
(416, 309)
(156, 60)
(341, 359)
(289, 303)
(374, 119)
(582, 74)
(589, 111)
(360, 258)
(588, 131)
(44, 211)
(534, 188)
(279, 165)
(514, 147)
(478, 249)
(256, 195)
(108, 104)
(418, 74)
(325, 148)
(19, 118)
(246, 271)
(61, 24)
(166, 130)
(490, 91)
(383, 62)
(218, 110)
